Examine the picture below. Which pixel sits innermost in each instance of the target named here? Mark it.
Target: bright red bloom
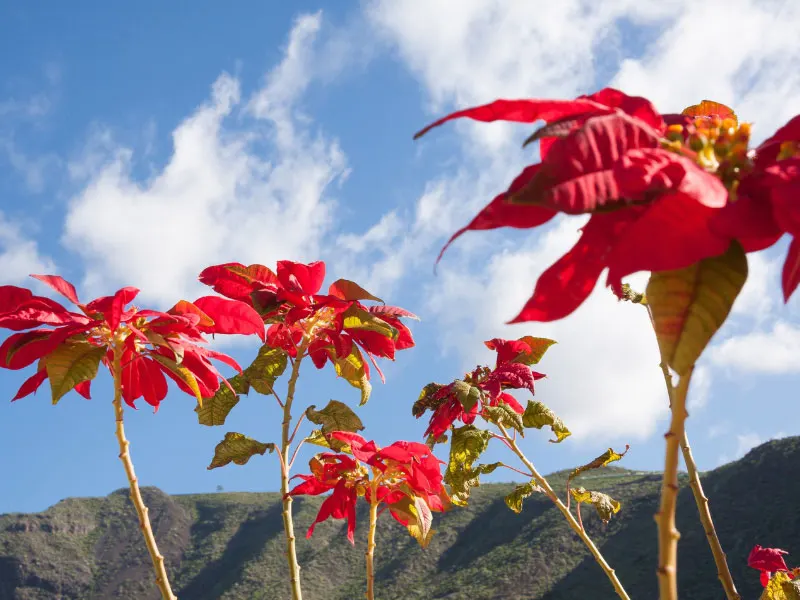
(401, 474)
(69, 345)
(768, 561)
(333, 327)
(653, 184)
(464, 400)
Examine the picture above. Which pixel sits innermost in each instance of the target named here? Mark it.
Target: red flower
(402, 473)
(653, 185)
(70, 346)
(464, 400)
(768, 561)
(333, 327)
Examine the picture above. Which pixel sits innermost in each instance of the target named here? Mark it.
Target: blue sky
(140, 144)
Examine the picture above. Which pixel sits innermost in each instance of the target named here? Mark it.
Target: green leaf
(266, 368)
(215, 410)
(71, 363)
(780, 587)
(419, 517)
(349, 290)
(603, 460)
(689, 305)
(515, 498)
(538, 415)
(467, 394)
(351, 369)
(237, 448)
(466, 446)
(358, 318)
(503, 414)
(336, 416)
(538, 347)
(426, 400)
(604, 504)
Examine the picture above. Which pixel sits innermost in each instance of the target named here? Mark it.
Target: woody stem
(573, 524)
(370, 554)
(703, 508)
(288, 525)
(668, 534)
(136, 497)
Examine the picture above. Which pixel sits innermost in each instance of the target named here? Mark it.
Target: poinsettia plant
(138, 346)
(484, 394)
(680, 195)
(404, 477)
(336, 328)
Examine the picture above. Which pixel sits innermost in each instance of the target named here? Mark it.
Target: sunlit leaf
(781, 587)
(603, 460)
(358, 318)
(503, 414)
(466, 446)
(426, 401)
(689, 305)
(604, 504)
(71, 363)
(336, 416)
(467, 394)
(182, 373)
(515, 498)
(265, 369)
(538, 415)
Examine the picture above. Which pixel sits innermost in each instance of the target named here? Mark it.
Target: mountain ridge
(230, 545)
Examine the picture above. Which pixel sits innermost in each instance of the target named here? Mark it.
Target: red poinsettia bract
(768, 561)
(333, 327)
(69, 346)
(483, 387)
(663, 191)
(404, 476)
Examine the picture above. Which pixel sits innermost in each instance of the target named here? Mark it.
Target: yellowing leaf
(215, 410)
(689, 305)
(237, 448)
(358, 318)
(351, 369)
(467, 394)
(466, 446)
(604, 504)
(603, 460)
(538, 415)
(780, 587)
(503, 414)
(183, 373)
(336, 416)
(538, 347)
(515, 498)
(426, 400)
(266, 368)
(71, 363)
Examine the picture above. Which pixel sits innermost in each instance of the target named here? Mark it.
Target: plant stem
(700, 498)
(574, 525)
(668, 534)
(136, 497)
(288, 525)
(373, 522)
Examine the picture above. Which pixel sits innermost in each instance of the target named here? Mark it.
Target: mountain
(230, 545)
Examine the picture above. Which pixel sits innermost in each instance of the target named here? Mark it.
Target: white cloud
(19, 255)
(603, 376)
(774, 351)
(218, 198)
(485, 50)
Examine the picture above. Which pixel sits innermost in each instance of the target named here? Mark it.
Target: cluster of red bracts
(487, 384)
(409, 482)
(156, 344)
(663, 191)
(768, 561)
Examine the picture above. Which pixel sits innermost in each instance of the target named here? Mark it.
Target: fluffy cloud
(218, 198)
(19, 255)
(483, 50)
(772, 351)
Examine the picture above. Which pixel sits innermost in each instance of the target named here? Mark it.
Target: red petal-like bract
(61, 285)
(768, 561)
(231, 317)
